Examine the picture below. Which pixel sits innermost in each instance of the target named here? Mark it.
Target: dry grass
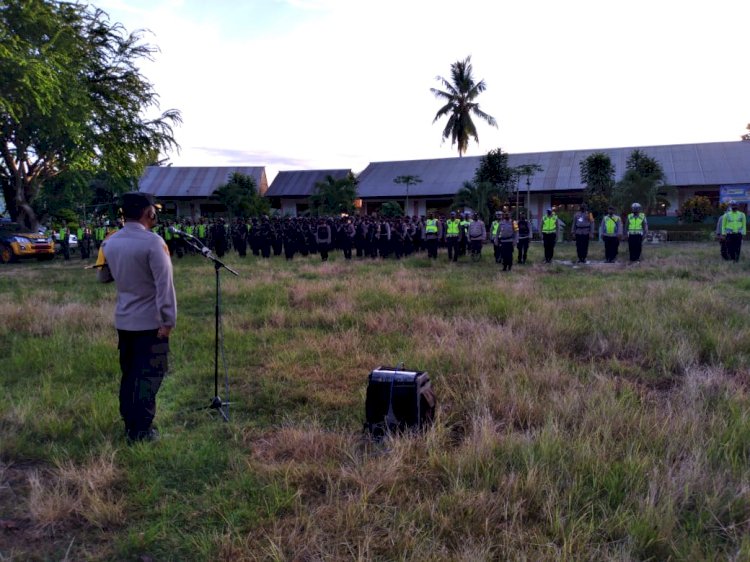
(44, 314)
(596, 413)
(61, 496)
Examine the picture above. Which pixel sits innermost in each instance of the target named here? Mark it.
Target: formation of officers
(460, 234)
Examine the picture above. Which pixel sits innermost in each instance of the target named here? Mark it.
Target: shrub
(696, 209)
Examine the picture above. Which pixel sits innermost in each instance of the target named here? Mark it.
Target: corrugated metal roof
(301, 183)
(178, 181)
(443, 176)
(718, 163)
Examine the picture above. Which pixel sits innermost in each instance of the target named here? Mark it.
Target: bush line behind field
(593, 413)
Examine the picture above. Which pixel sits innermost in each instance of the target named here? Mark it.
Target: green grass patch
(585, 412)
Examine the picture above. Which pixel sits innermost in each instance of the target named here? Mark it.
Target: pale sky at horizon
(313, 84)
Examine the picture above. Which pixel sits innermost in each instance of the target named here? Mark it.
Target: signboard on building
(737, 192)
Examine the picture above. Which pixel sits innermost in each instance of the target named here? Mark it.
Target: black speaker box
(397, 400)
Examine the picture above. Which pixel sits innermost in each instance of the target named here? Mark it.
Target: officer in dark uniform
(219, 237)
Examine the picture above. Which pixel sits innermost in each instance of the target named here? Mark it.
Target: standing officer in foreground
(583, 230)
(138, 261)
(637, 230)
(550, 225)
(610, 232)
(733, 228)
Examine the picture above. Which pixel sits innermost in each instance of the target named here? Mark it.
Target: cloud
(338, 83)
(251, 157)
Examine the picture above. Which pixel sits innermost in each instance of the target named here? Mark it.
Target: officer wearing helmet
(637, 230)
(733, 228)
(452, 235)
(550, 226)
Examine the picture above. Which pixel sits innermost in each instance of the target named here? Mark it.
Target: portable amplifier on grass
(397, 400)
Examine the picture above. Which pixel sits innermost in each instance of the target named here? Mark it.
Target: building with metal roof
(188, 191)
(706, 169)
(290, 191)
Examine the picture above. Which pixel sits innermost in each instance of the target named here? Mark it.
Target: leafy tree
(598, 175)
(460, 94)
(746, 136)
(493, 168)
(72, 99)
(334, 196)
(478, 196)
(643, 182)
(391, 209)
(696, 209)
(240, 196)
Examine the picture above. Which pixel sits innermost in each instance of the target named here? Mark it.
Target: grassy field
(599, 412)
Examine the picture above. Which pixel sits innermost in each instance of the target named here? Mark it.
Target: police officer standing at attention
(138, 261)
(733, 228)
(323, 238)
(610, 232)
(637, 230)
(431, 235)
(452, 233)
(583, 230)
(525, 233)
(550, 225)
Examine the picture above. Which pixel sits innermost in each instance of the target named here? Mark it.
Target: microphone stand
(217, 403)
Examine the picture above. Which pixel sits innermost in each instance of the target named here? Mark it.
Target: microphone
(175, 230)
(205, 250)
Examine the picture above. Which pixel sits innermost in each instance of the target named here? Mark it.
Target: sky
(321, 84)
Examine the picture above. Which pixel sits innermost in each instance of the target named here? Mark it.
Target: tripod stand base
(220, 406)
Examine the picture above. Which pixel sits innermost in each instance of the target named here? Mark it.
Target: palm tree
(460, 95)
(477, 196)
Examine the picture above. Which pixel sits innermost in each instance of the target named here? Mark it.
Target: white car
(72, 243)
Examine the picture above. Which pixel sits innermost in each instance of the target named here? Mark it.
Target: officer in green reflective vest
(637, 230)
(550, 225)
(431, 235)
(64, 237)
(84, 240)
(100, 233)
(463, 240)
(494, 227)
(452, 234)
(201, 230)
(610, 232)
(733, 228)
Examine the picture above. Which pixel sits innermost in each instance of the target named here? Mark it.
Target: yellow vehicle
(16, 242)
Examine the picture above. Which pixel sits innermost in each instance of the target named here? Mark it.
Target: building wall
(290, 207)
